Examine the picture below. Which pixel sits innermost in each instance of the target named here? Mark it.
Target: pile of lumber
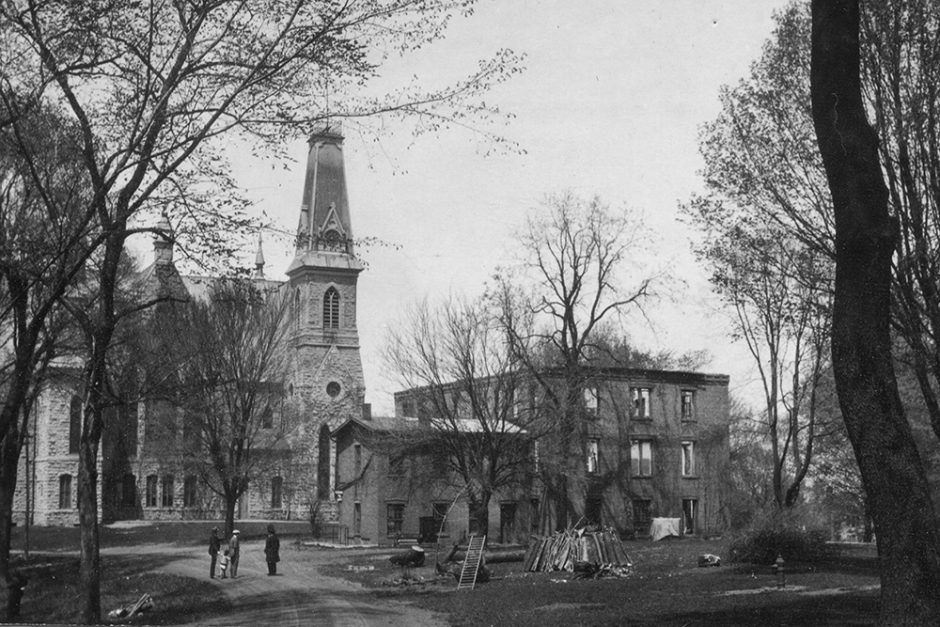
(563, 549)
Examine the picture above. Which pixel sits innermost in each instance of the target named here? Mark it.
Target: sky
(609, 104)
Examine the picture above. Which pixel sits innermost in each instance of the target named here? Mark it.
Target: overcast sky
(609, 104)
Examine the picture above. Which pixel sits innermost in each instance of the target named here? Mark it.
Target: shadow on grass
(271, 608)
(52, 592)
(180, 533)
(852, 610)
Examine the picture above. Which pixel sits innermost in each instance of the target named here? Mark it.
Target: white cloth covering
(663, 527)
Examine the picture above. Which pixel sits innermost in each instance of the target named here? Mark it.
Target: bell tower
(327, 374)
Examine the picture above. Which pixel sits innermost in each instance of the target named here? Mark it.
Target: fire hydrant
(781, 575)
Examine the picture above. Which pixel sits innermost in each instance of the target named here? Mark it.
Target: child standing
(223, 563)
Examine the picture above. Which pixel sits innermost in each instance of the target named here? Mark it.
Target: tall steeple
(325, 225)
(323, 278)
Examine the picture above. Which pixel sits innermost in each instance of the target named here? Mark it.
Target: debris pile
(563, 549)
(708, 559)
(584, 570)
(412, 557)
(144, 604)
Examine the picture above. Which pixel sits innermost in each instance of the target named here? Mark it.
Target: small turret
(163, 241)
(259, 260)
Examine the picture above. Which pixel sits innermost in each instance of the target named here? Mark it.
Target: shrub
(794, 533)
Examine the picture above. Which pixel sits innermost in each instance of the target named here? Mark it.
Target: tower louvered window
(331, 309)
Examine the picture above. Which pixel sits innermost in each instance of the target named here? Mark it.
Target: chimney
(367, 411)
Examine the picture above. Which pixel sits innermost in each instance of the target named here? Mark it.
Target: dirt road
(298, 595)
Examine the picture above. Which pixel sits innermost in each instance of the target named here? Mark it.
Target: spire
(259, 260)
(324, 210)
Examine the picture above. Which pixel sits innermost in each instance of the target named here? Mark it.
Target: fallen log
(495, 556)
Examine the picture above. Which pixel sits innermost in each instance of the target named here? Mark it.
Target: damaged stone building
(652, 444)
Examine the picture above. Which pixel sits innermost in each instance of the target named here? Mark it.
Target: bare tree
(226, 377)
(471, 395)
(866, 241)
(576, 252)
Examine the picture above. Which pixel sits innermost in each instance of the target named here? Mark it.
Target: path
(298, 595)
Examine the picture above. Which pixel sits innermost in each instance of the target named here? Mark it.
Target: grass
(179, 533)
(52, 590)
(667, 588)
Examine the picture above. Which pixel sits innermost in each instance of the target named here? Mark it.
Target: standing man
(272, 547)
(233, 553)
(215, 544)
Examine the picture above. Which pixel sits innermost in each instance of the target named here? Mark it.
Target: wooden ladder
(471, 563)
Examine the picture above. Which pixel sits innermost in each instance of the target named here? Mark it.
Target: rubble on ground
(414, 556)
(594, 551)
(708, 559)
(144, 603)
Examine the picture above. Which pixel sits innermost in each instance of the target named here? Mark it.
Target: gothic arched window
(331, 309)
(75, 423)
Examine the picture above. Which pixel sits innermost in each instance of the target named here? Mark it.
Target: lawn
(52, 590)
(52, 570)
(667, 588)
(137, 533)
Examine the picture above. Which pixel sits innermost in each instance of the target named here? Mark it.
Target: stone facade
(649, 443)
(141, 477)
(384, 503)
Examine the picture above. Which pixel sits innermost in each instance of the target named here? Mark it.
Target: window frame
(644, 506)
(687, 410)
(642, 394)
(394, 518)
(152, 487)
(638, 460)
(592, 456)
(592, 401)
(331, 308)
(167, 488)
(689, 516)
(687, 458)
(65, 491)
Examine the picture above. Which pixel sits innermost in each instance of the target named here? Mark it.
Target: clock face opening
(333, 389)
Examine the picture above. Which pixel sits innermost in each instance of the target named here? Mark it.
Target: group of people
(228, 560)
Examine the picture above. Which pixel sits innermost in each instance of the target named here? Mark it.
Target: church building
(324, 387)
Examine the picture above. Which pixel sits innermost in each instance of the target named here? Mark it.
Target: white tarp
(663, 527)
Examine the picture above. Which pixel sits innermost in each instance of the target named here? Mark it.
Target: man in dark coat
(272, 548)
(215, 544)
(233, 553)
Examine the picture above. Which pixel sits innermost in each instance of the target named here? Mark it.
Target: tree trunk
(90, 566)
(9, 455)
(891, 468)
(230, 502)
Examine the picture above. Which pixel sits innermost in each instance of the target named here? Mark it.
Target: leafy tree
(155, 90)
(779, 291)
(575, 252)
(866, 240)
(472, 396)
(44, 225)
